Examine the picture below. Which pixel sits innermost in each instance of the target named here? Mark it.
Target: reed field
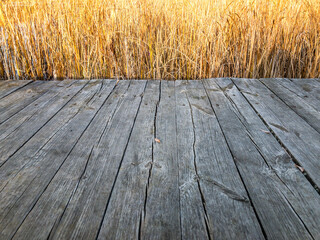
(159, 39)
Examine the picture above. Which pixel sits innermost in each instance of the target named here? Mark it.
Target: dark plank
(84, 214)
(211, 190)
(11, 86)
(45, 215)
(30, 182)
(21, 135)
(270, 204)
(307, 108)
(162, 210)
(301, 140)
(125, 210)
(20, 112)
(302, 197)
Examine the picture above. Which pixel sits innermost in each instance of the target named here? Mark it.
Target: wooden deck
(211, 159)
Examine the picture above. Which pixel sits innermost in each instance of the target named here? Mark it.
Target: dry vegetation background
(168, 39)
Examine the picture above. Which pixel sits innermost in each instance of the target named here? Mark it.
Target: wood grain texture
(271, 206)
(162, 210)
(37, 174)
(126, 208)
(311, 86)
(134, 159)
(84, 214)
(18, 113)
(56, 197)
(13, 103)
(206, 162)
(9, 87)
(307, 107)
(301, 140)
(290, 181)
(22, 134)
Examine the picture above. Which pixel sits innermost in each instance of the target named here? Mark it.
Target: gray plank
(37, 174)
(21, 135)
(83, 216)
(125, 210)
(16, 101)
(12, 86)
(211, 190)
(307, 108)
(302, 141)
(45, 215)
(25, 155)
(195, 222)
(14, 116)
(291, 182)
(310, 86)
(162, 210)
(302, 89)
(270, 204)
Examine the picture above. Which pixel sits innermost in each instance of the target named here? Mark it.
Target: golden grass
(167, 39)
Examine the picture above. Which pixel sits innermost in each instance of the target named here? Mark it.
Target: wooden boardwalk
(210, 159)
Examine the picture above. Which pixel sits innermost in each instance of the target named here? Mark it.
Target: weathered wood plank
(271, 206)
(311, 86)
(25, 154)
(16, 101)
(291, 182)
(15, 116)
(193, 208)
(212, 192)
(307, 108)
(301, 140)
(45, 215)
(16, 139)
(37, 174)
(301, 89)
(84, 214)
(11, 86)
(125, 210)
(84, 161)
(162, 209)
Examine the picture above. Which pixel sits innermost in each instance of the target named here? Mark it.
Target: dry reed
(159, 39)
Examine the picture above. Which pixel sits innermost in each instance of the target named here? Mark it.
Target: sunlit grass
(168, 39)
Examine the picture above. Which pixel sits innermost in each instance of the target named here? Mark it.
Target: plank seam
(43, 125)
(306, 175)
(289, 106)
(152, 156)
(36, 98)
(134, 121)
(203, 201)
(237, 111)
(270, 167)
(292, 208)
(16, 89)
(96, 144)
(250, 200)
(58, 220)
(65, 159)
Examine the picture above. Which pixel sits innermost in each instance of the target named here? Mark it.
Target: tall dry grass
(168, 39)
